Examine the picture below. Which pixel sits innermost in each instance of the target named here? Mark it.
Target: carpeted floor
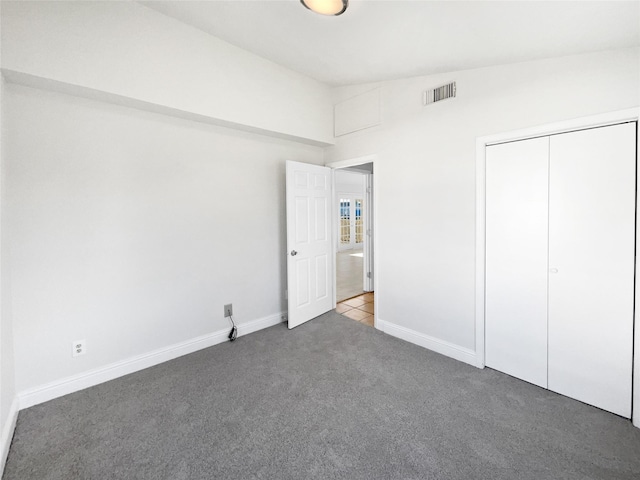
(331, 399)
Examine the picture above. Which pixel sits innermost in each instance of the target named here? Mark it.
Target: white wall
(132, 230)
(426, 173)
(132, 52)
(349, 182)
(8, 405)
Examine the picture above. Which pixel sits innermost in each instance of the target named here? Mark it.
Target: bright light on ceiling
(326, 7)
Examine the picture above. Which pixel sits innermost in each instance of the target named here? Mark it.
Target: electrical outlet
(228, 310)
(79, 347)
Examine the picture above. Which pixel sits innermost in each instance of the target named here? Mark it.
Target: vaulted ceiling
(382, 40)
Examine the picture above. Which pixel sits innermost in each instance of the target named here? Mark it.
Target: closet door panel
(516, 259)
(591, 265)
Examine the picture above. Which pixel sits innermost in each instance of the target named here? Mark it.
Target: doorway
(350, 189)
(353, 231)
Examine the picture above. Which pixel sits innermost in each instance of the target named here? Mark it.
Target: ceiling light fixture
(326, 7)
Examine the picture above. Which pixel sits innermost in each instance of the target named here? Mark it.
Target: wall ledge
(42, 83)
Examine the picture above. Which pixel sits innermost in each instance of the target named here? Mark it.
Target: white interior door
(591, 259)
(309, 265)
(516, 259)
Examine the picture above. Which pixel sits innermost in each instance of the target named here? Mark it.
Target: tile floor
(358, 308)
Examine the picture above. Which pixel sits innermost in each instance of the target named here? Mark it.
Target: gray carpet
(330, 399)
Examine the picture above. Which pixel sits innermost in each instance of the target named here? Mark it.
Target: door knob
(293, 253)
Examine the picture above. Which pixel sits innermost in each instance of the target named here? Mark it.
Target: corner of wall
(8, 399)
(6, 433)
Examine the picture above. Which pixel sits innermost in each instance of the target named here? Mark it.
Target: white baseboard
(7, 433)
(445, 348)
(253, 326)
(93, 377)
(378, 324)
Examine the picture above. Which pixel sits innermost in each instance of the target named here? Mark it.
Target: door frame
(373, 217)
(581, 123)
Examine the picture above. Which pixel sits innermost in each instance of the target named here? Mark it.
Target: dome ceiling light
(326, 7)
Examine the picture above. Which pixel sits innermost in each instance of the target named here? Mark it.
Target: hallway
(360, 308)
(349, 279)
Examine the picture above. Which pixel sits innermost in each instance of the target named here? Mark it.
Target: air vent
(440, 93)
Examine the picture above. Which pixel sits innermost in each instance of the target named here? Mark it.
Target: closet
(560, 253)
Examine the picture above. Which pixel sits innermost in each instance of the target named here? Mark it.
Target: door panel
(302, 219)
(591, 261)
(516, 259)
(358, 222)
(302, 293)
(321, 222)
(322, 281)
(351, 221)
(308, 195)
(344, 240)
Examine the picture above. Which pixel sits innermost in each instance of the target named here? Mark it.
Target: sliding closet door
(516, 259)
(591, 265)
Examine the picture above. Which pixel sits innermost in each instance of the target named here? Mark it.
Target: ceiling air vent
(439, 93)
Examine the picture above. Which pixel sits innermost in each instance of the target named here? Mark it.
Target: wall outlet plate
(228, 310)
(79, 347)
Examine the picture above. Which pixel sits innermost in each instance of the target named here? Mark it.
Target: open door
(309, 262)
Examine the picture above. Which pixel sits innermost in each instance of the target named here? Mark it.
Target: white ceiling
(385, 39)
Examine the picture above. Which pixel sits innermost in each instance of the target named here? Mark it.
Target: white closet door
(591, 265)
(516, 259)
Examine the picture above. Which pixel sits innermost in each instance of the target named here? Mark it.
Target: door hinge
(368, 189)
(368, 274)
(368, 232)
